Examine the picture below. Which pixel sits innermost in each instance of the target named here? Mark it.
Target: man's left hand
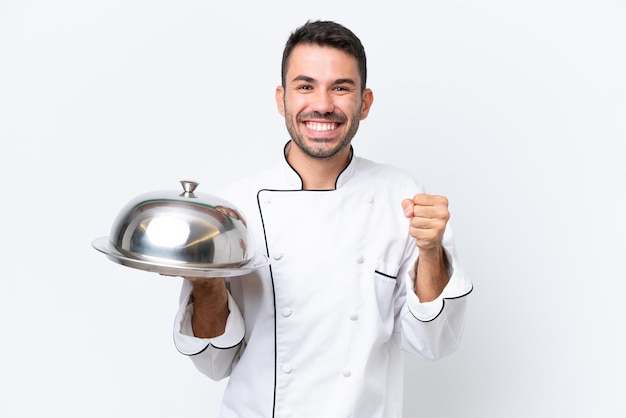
(429, 216)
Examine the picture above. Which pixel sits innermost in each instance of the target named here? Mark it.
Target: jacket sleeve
(214, 357)
(433, 329)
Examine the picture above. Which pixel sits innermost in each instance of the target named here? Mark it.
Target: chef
(363, 263)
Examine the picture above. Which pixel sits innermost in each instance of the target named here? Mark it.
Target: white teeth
(321, 127)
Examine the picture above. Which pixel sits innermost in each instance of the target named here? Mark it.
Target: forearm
(212, 356)
(210, 307)
(432, 274)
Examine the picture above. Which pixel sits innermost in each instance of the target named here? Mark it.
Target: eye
(343, 89)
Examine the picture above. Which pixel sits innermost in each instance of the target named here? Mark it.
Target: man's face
(322, 100)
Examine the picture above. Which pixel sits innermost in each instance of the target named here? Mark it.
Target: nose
(323, 102)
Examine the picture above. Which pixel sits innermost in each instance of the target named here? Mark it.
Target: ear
(367, 100)
(280, 100)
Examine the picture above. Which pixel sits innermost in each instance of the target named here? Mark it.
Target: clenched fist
(429, 216)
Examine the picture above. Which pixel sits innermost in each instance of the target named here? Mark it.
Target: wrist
(209, 293)
(434, 253)
(432, 273)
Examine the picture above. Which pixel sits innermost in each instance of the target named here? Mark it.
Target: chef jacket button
(347, 373)
(360, 260)
(286, 312)
(285, 368)
(353, 316)
(369, 199)
(277, 256)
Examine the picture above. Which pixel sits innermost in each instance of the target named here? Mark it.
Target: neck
(317, 173)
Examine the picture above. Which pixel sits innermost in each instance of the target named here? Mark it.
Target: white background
(515, 110)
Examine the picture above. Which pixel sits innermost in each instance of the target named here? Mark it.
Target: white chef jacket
(320, 331)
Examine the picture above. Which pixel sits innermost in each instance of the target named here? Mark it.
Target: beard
(319, 148)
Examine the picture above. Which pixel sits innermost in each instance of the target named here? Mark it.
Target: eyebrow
(312, 80)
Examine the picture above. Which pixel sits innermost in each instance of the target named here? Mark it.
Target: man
(320, 332)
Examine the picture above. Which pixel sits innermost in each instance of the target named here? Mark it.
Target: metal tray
(103, 245)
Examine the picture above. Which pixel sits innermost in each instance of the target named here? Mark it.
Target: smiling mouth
(321, 126)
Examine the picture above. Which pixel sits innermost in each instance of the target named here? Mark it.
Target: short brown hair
(326, 33)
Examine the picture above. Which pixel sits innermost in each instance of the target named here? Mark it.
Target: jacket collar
(294, 181)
